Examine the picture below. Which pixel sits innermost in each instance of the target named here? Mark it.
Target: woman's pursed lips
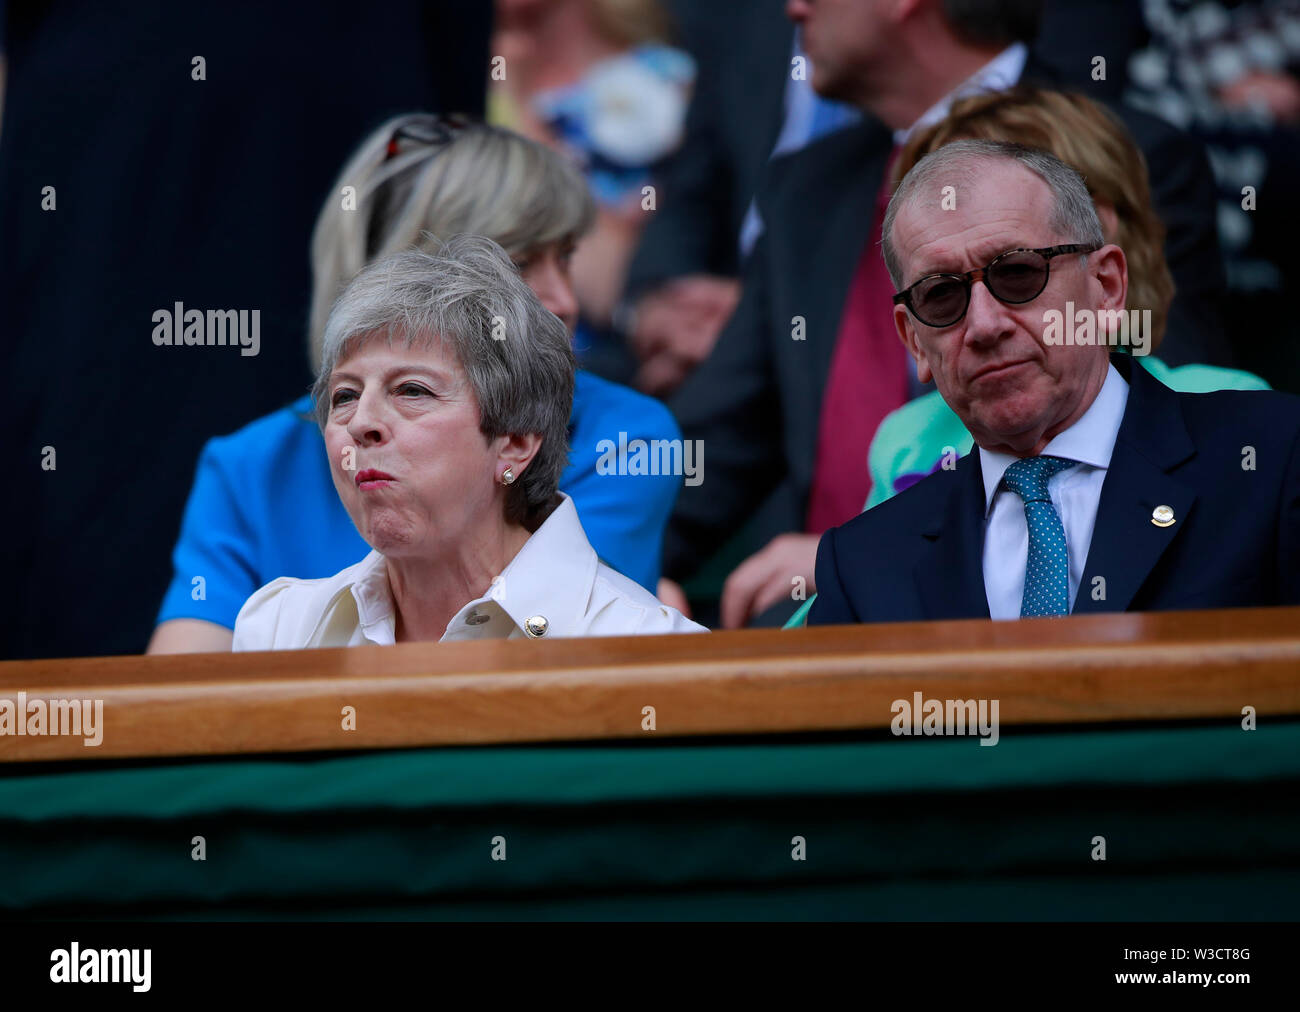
(370, 477)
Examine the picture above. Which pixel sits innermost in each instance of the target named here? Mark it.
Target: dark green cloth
(1199, 821)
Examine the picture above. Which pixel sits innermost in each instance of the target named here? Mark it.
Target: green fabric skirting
(1199, 822)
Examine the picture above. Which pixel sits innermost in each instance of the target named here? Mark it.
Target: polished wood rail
(1121, 667)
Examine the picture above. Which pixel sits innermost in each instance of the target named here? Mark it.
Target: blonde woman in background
(264, 504)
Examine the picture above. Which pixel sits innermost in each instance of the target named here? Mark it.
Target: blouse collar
(545, 590)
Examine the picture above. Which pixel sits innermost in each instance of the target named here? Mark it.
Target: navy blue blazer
(1235, 540)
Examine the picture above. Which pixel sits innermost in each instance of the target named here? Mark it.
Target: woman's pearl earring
(507, 477)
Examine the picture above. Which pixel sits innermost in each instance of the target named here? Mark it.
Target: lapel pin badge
(1163, 516)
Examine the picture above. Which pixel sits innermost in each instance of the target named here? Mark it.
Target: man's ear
(517, 452)
(907, 334)
(1110, 272)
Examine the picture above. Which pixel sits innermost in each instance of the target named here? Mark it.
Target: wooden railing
(1123, 667)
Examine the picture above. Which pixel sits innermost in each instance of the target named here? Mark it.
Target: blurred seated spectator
(683, 283)
(600, 81)
(263, 503)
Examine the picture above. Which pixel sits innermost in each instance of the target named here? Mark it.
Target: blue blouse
(263, 504)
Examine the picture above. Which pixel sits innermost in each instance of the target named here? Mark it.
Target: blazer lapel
(846, 230)
(818, 209)
(1126, 545)
(950, 573)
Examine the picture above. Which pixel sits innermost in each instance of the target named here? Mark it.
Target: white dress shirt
(1075, 493)
(1000, 73)
(555, 578)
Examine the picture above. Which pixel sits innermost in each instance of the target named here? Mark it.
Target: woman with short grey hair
(516, 355)
(263, 502)
(443, 395)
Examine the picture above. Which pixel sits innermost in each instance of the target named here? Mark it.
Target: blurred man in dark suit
(749, 104)
(1094, 487)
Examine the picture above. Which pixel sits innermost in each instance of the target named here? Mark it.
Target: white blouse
(554, 587)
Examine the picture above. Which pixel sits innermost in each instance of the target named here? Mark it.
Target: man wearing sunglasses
(1093, 487)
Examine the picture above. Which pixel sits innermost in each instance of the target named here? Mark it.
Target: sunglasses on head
(428, 130)
(1014, 277)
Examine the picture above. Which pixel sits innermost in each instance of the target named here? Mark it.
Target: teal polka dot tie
(1047, 570)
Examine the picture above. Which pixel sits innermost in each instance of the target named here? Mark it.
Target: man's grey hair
(1074, 217)
(515, 353)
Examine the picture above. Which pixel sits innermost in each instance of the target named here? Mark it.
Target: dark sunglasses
(1015, 277)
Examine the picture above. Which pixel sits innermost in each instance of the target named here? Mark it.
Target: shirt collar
(1001, 72)
(1090, 440)
(551, 577)
(376, 612)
